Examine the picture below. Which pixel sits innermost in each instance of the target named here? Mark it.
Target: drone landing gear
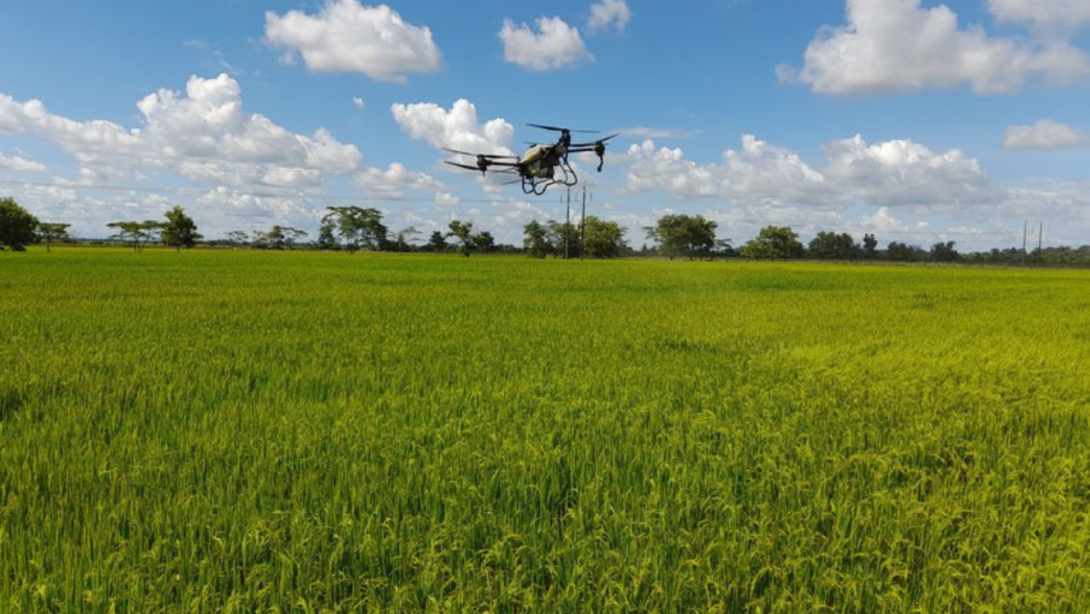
(538, 186)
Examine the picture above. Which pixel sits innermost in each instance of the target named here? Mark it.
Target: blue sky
(916, 121)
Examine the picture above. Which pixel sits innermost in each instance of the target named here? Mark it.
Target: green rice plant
(309, 432)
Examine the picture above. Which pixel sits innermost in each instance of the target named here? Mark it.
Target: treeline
(693, 237)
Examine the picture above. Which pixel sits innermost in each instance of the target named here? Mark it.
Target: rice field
(317, 432)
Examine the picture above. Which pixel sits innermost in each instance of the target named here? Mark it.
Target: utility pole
(583, 236)
(567, 226)
(1040, 241)
(1025, 229)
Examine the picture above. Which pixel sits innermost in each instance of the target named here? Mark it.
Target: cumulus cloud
(902, 172)
(609, 13)
(898, 172)
(884, 221)
(19, 163)
(555, 45)
(897, 45)
(203, 135)
(645, 132)
(457, 128)
(446, 199)
(1049, 18)
(391, 182)
(346, 36)
(757, 170)
(1045, 134)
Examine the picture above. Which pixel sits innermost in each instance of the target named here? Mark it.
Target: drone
(543, 165)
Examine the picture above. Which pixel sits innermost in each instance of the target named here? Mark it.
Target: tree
(683, 235)
(905, 253)
(437, 242)
(327, 238)
(404, 236)
(291, 236)
(237, 238)
(463, 231)
(870, 247)
(831, 246)
(484, 241)
(774, 242)
(536, 240)
(179, 230)
(563, 237)
(603, 239)
(944, 252)
(724, 247)
(358, 227)
(50, 232)
(138, 233)
(17, 226)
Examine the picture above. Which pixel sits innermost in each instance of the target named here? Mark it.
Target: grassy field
(279, 432)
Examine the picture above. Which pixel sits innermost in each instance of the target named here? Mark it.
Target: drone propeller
(557, 129)
(596, 143)
(481, 156)
(460, 165)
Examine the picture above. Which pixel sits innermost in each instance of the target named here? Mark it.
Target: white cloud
(902, 172)
(19, 163)
(202, 135)
(391, 182)
(883, 221)
(225, 209)
(645, 132)
(358, 103)
(898, 172)
(758, 170)
(346, 36)
(609, 13)
(459, 128)
(1049, 18)
(555, 45)
(446, 199)
(896, 45)
(1045, 134)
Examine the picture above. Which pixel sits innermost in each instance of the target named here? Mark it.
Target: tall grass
(259, 432)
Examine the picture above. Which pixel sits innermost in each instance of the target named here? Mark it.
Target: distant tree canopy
(774, 243)
(17, 226)
(603, 239)
(944, 252)
(831, 246)
(683, 235)
(278, 237)
(437, 242)
(484, 241)
(139, 234)
(536, 240)
(403, 238)
(179, 230)
(237, 237)
(463, 231)
(905, 253)
(870, 247)
(359, 227)
(594, 238)
(50, 232)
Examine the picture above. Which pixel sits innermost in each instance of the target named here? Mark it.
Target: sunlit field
(320, 432)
